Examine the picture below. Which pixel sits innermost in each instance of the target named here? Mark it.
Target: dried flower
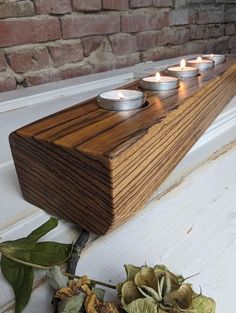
(78, 294)
(158, 290)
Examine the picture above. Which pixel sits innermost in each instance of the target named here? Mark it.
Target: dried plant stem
(92, 281)
(77, 248)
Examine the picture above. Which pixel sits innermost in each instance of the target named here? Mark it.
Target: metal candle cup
(159, 83)
(183, 71)
(121, 100)
(201, 64)
(217, 58)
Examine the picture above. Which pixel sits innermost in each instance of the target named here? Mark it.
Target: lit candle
(183, 71)
(158, 77)
(121, 100)
(182, 64)
(159, 82)
(120, 95)
(217, 58)
(201, 64)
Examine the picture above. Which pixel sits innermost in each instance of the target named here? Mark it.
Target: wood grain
(97, 168)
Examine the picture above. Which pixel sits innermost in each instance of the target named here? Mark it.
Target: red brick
(52, 6)
(70, 51)
(179, 36)
(104, 66)
(163, 3)
(25, 60)
(206, 31)
(85, 5)
(219, 45)
(230, 29)
(28, 30)
(164, 36)
(225, 1)
(91, 44)
(117, 5)
(230, 14)
(127, 60)
(123, 43)
(181, 17)
(3, 63)
(75, 70)
(209, 16)
(197, 2)
(216, 30)
(150, 55)
(147, 40)
(7, 82)
(42, 77)
(232, 44)
(16, 9)
(168, 52)
(142, 22)
(160, 53)
(192, 47)
(85, 25)
(173, 36)
(140, 3)
(199, 32)
(232, 41)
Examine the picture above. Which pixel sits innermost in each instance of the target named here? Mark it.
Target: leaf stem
(48, 268)
(92, 280)
(41, 267)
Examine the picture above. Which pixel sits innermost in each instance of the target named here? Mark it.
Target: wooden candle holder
(97, 168)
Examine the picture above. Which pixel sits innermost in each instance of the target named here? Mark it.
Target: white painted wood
(191, 229)
(36, 95)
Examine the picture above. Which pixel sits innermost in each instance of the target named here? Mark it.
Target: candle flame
(211, 55)
(158, 77)
(120, 95)
(199, 59)
(183, 63)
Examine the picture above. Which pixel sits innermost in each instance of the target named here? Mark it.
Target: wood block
(97, 168)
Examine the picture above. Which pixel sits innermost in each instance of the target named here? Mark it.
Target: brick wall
(49, 40)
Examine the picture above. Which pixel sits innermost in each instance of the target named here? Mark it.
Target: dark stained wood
(97, 168)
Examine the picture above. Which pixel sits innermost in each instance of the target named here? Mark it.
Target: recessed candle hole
(145, 105)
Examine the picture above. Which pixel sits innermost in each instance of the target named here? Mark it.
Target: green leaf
(43, 229)
(204, 304)
(41, 253)
(56, 279)
(71, 304)
(144, 305)
(20, 277)
(34, 235)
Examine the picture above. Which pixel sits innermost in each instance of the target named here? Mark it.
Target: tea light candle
(183, 71)
(121, 100)
(159, 82)
(201, 64)
(217, 58)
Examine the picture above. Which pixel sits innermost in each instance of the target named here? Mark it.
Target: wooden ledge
(97, 167)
